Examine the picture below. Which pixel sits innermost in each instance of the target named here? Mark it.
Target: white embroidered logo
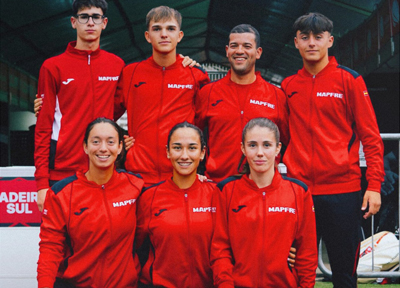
(108, 78)
(330, 94)
(282, 209)
(205, 209)
(124, 203)
(68, 80)
(262, 103)
(179, 86)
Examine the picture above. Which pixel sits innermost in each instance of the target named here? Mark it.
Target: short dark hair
(187, 125)
(246, 28)
(163, 13)
(313, 22)
(80, 4)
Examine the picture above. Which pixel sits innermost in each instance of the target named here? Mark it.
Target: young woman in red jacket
(89, 220)
(175, 218)
(260, 215)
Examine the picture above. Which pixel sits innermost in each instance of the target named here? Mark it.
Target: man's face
(242, 52)
(164, 35)
(90, 31)
(313, 47)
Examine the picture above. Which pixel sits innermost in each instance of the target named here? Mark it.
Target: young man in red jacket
(77, 87)
(157, 93)
(330, 112)
(225, 106)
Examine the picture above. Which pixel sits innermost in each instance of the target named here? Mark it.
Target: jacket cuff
(374, 186)
(42, 183)
(45, 281)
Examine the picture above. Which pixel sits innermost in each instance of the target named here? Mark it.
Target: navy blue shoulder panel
(60, 185)
(298, 182)
(151, 186)
(200, 68)
(221, 184)
(352, 72)
(124, 171)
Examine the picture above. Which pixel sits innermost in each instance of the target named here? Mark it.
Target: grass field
(329, 284)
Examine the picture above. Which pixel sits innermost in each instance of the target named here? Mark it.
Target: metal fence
(372, 274)
(215, 75)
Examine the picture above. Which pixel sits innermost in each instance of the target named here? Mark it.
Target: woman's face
(103, 145)
(185, 151)
(260, 149)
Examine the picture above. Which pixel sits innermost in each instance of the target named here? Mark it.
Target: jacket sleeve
(203, 79)
(120, 97)
(142, 240)
(53, 232)
(143, 215)
(221, 255)
(283, 122)
(47, 89)
(306, 242)
(201, 106)
(367, 130)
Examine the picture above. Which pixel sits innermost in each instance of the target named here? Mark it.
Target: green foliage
(319, 284)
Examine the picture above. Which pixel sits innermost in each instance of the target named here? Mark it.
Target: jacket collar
(173, 66)
(171, 185)
(81, 176)
(276, 181)
(81, 53)
(331, 64)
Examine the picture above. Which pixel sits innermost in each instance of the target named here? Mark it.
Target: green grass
(329, 284)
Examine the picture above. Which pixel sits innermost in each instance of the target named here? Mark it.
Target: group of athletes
(160, 224)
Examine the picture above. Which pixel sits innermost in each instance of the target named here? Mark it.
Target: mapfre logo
(180, 86)
(262, 103)
(108, 78)
(124, 203)
(330, 95)
(282, 210)
(205, 209)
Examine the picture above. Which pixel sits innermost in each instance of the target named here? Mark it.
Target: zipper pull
(186, 197)
(88, 59)
(263, 196)
(103, 187)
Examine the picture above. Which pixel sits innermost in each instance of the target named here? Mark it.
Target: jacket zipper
(264, 204)
(103, 190)
(158, 126)
(93, 90)
(188, 231)
(312, 105)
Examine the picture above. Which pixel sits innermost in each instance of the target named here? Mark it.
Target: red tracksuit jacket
(254, 230)
(156, 98)
(178, 224)
(77, 87)
(95, 224)
(225, 108)
(329, 114)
